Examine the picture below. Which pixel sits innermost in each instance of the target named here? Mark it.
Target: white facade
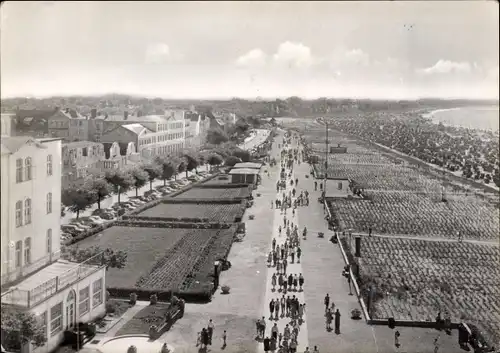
(52, 288)
(31, 204)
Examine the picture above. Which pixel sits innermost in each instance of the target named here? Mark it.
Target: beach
(482, 118)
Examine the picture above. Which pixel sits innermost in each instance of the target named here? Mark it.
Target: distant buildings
(80, 159)
(61, 293)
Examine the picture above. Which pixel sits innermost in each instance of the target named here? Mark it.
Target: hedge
(166, 219)
(200, 295)
(181, 225)
(225, 201)
(220, 186)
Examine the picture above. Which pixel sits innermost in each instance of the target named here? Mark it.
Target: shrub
(110, 308)
(153, 299)
(133, 298)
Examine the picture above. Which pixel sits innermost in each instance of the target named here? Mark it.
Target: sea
(480, 118)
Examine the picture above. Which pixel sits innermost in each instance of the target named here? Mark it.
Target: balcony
(50, 280)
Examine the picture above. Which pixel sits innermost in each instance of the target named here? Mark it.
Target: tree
(242, 154)
(167, 169)
(140, 178)
(94, 255)
(232, 160)
(20, 328)
(216, 136)
(122, 181)
(191, 163)
(77, 199)
(100, 187)
(154, 171)
(181, 167)
(214, 159)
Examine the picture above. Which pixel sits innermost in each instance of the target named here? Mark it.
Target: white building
(33, 276)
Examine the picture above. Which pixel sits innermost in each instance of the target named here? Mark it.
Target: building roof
(35, 113)
(248, 165)
(79, 144)
(152, 118)
(12, 144)
(245, 171)
(136, 128)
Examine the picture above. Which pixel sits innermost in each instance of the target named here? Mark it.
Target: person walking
(329, 319)
(273, 281)
(204, 338)
(277, 309)
(280, 277)
(301, 314)
(210, 330)
(267, 342)
(301, 282)
(288, 305)
(224, 338)
(290, 282)
(295, 282)
(337, 322)
(274, 244)
(327, 302)
(271, 309)
(396, 339)
(315, 186)
(274, 331)
(299, 253)
(316, 350)
(283, 305)
(285, 264)
(292, 255)
(293, 346)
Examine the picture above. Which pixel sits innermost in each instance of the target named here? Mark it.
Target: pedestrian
(280, 338)
(301, 313)
(210, 331)
(329, 319)
(293, 346)
(273, 281)
(316, 350)
(295, 282)
(299, 252)
(396, 339)
(280, 277)
(283, 305)
(272, 345)
(436, 344)
(286, 332)
(276, 309)
(274, 331)
(270, 258)
(224, 338)
(337, 322)
(271, 308)
(315, 186)
(327, 302)
(274, 244)
(275, 258)
(307, 350)
(285, 264)
(290, 281)
(301, 282)
(292, 255)
(204, 338)
(288, 305)
(267, 342)
(333, 307)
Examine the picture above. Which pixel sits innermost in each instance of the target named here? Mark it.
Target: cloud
(294, 55)
(254, 58)
(159, 53)
(445, 67)
(357, 57)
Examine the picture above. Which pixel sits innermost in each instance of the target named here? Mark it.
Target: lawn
(140, 323)
(215, 193)
(144, 247)
(214, 212)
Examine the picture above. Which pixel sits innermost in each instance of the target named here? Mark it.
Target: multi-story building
(80, 159)
(153, 136)
(69, 125)
(34, 277)
(33, 122)
(8, 127)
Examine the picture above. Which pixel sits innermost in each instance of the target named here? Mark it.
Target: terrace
(50, 280)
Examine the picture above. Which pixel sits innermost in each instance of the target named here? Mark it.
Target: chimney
(125, 115)
(66, 110)
(93, 113)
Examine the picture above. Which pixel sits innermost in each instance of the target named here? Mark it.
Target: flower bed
(215, 193)
(415, 279)
(208, 211)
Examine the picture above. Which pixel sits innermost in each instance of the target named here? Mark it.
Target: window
(340, 186)
(49, 203)
(56, 319)
(19, 213)
(84, 301)
(97, 293)
(27, 211)
(27, 251)
(43, 322)
(19, 249)
(49, 165)
(19, 170)
(28, 169)
(49, 241)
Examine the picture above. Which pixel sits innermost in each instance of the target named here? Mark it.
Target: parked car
(96, 219)
(80, 224)
(72, 229)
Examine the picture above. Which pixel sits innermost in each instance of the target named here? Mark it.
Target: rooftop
(136, 128)
(245, 171)
(79, 144)
(11, 144)
(248, 165)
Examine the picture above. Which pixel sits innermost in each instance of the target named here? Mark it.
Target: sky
(380, 50)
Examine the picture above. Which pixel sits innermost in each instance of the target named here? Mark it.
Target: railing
(26, 270)
(32, 297)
